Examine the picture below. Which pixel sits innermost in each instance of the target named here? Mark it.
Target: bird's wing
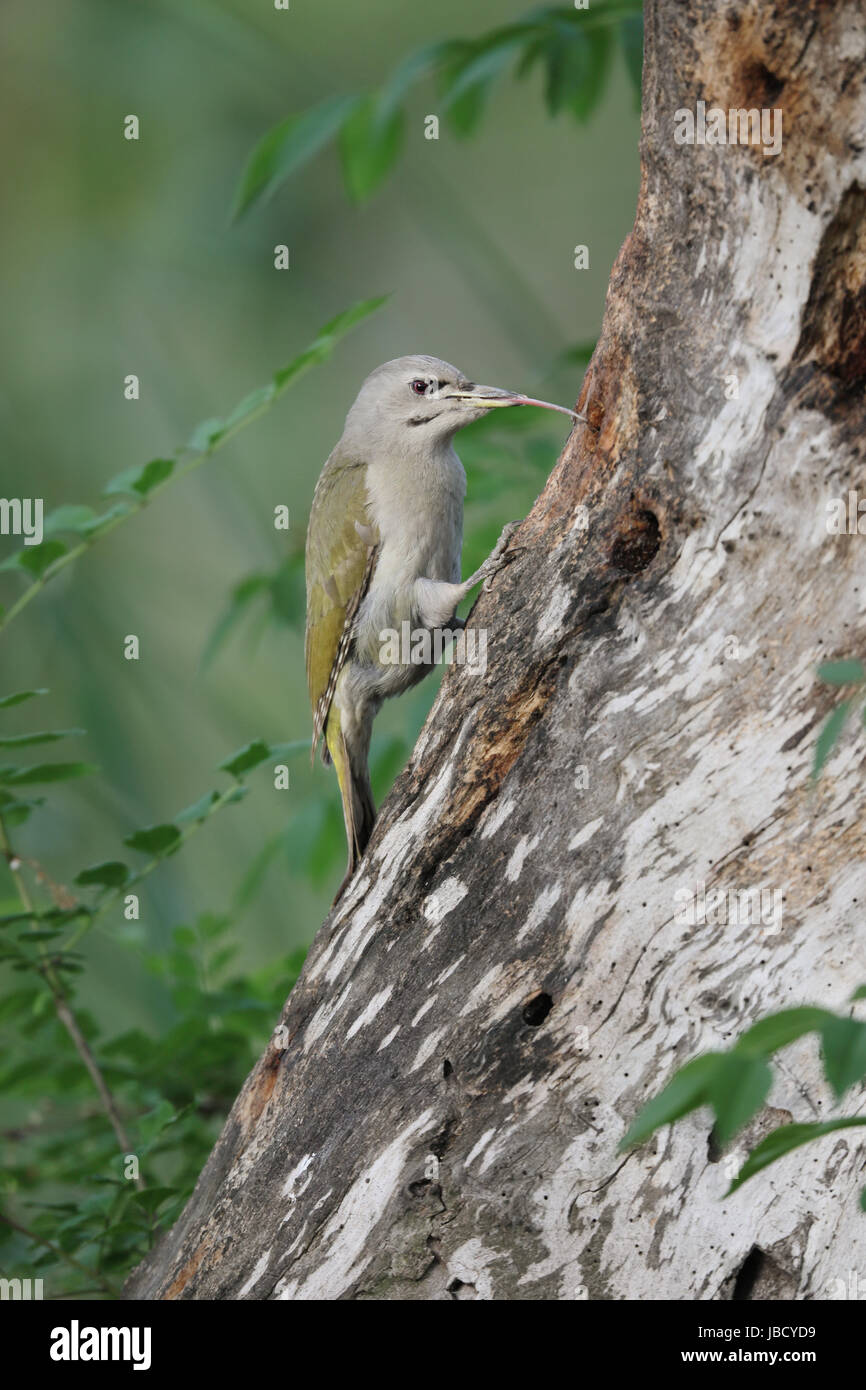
(340, 560)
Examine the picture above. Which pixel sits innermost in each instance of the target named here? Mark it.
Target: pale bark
(506, 981)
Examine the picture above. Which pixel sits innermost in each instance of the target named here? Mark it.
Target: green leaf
(417, 65)
(686, 1091)
(842, 672)
(859, 993)
(45, 772)
(577, 64)
(778, 1030)
(369, 146)
(199, 810)
(105, 519)
(152, 1198)
(35, 559)
(111, 874)
(631, 39)
(156, 839)
(7, 701)
(46, 736)
(246, 758)
(327, 340)
(70, 518)
(17, 1002)
(206, 434)
(782, 1141)
(467, 80)
(288, 146)
(253, 402)
(736, 1090)
(151, 1125)
(142, 479)
(844, 1052)
(863, 1198)
(828, 736)
(51, 914)
(17, 812)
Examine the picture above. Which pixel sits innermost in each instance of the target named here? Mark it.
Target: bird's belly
(388, 616)
(419, 521)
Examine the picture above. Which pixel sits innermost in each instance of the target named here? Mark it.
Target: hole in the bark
(748, 1275)
(637, 543)
(418, 1189)
(762, 86)
(536, 1008)
(460, 1290)
(447, 1068)
(833, 330)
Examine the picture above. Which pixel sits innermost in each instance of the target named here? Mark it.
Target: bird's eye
(419, 386)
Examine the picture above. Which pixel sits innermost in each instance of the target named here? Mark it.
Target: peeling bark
(507, 980)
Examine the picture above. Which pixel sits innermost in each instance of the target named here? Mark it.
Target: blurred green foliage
(573, 47)
(80, 1222)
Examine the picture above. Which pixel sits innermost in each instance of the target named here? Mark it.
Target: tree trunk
(511, 976)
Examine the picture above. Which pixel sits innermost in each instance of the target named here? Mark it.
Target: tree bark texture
(508, 978)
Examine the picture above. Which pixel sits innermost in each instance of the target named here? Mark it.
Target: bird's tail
(359, 810)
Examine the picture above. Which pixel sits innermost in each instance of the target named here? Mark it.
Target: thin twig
(63, 1010)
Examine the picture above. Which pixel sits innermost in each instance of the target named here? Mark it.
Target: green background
(119, 257)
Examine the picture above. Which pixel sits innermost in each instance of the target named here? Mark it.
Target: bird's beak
(489, 397)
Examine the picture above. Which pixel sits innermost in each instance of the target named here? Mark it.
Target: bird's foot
(497, 557)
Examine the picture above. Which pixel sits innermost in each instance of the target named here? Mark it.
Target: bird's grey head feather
(418, 402)
(411, 401)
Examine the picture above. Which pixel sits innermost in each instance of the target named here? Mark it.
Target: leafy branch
(113, 878)
(137, 486)
(735, 1084)
(62, 1005)
(50, 962)
(573, 47)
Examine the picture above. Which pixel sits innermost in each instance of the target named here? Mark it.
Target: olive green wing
(339, 562)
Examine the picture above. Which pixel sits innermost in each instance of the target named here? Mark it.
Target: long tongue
(545, 405)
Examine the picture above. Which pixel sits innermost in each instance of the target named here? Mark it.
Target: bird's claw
(497, 557)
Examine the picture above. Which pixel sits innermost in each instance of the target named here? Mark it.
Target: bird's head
(421, 400)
